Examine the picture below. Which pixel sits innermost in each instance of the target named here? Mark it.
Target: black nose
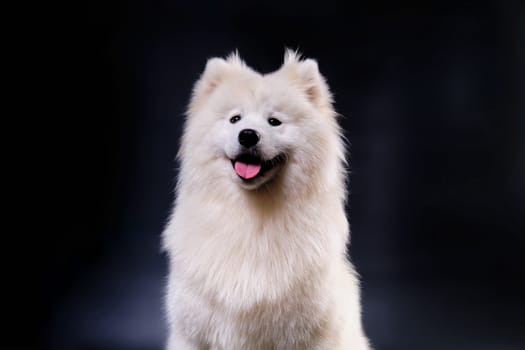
(248, 138)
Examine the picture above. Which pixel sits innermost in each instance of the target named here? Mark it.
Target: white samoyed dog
(257, 238)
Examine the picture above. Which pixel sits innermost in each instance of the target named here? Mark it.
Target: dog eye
(274, 122)
(235, 119)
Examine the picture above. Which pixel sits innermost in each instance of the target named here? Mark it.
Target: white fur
(261, 265)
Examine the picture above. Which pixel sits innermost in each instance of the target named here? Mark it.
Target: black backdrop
(432, 99)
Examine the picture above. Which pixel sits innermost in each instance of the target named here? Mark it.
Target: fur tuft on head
(292, 56)
(235, 59)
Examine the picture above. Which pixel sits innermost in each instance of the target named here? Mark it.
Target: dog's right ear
(214, 73)
(304, 73)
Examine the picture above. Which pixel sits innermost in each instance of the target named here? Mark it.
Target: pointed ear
(214, 73)
(305, 74)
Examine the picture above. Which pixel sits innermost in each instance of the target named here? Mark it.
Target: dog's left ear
(305, 74)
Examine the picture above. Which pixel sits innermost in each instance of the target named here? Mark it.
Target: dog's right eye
(274, 122)
(235, 119)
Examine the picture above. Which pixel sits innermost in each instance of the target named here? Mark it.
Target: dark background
(432, 95)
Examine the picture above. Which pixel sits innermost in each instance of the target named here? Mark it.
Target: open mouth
(249, 167)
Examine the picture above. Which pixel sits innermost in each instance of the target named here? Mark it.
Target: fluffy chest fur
(257, 256)
(256, 282)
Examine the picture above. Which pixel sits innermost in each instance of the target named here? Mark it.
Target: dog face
(257, 142)
(255, 128)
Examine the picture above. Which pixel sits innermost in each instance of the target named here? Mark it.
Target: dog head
(253, 129)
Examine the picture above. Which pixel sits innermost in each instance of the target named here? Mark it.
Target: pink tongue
(247, 171)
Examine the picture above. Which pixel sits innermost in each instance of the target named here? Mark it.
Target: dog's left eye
(235, 119)
(274, 122)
